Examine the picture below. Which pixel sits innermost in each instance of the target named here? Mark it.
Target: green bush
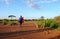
(53, 25)
(47, 24)
(4, 22)
(12, 23)
(39, 25)
(1, 22)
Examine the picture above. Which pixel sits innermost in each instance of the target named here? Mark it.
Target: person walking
(21, 20)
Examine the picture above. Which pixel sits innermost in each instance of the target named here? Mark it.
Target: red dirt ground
(28, 31)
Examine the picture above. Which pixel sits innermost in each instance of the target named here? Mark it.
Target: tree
(42, 22)
(57, 19)
(11, 16)
(11, 22)
(42, 17)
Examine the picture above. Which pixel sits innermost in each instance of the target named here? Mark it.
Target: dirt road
(27, 31)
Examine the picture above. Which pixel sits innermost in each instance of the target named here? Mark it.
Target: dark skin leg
(20, 24)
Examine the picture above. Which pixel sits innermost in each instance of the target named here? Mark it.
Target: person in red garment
(21, 20)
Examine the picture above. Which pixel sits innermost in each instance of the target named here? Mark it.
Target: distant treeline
(17, 19)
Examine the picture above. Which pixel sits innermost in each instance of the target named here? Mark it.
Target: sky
(29, 9)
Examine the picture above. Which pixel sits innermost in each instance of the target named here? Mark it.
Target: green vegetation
(40, 23)
(12, 21)
(51, 23)
(4, 21)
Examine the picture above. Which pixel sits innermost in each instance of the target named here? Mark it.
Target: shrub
(53, 25)
(47, 24)
(4, 22)
(1, 22)
(12, 23)
(39, 25)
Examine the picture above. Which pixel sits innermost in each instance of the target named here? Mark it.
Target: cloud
(44, 1)
(32, 4)
(48, 1)
(6, 1)
(36, 3)
(1, 0)
(55, 0)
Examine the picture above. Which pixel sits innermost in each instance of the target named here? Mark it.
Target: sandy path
(25, 27)
(17, 34)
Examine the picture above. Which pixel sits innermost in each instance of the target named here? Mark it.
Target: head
(20, 16)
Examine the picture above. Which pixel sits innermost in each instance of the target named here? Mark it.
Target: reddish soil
(27, 31)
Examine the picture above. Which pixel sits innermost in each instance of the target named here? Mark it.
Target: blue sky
(30, 8)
